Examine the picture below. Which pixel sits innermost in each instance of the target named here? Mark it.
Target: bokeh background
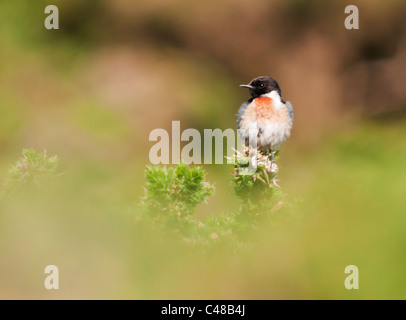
(92, 91)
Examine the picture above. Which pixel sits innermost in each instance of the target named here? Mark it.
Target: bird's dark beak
(247, 86)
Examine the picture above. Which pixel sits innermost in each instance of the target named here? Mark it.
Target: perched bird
(265, 115)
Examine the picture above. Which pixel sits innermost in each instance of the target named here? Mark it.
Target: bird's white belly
(268, 120)
(269, 133)
(272, 135)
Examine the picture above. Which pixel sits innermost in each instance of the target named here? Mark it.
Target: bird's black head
(262, 85)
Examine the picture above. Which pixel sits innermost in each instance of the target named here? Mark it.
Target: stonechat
(265, 115)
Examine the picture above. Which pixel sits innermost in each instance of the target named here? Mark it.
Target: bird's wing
(241, 112)
(290, 109)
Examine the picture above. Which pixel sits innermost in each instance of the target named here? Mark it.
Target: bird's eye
(261, 85)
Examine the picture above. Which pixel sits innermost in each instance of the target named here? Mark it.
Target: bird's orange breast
(261, 108)
(264, 107)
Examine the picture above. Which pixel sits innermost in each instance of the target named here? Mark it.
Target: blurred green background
(92, 91)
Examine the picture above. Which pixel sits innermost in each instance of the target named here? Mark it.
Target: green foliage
(171, 196)
(259, 191)
(31, 169)
(176, 191)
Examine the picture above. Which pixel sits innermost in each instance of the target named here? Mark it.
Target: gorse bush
(171, 196)
(176, 191)
(258, 191)
(32, 169)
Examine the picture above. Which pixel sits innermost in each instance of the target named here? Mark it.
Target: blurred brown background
(173, 49)
(152, 62)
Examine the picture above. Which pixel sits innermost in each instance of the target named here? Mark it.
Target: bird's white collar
(274, 95)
